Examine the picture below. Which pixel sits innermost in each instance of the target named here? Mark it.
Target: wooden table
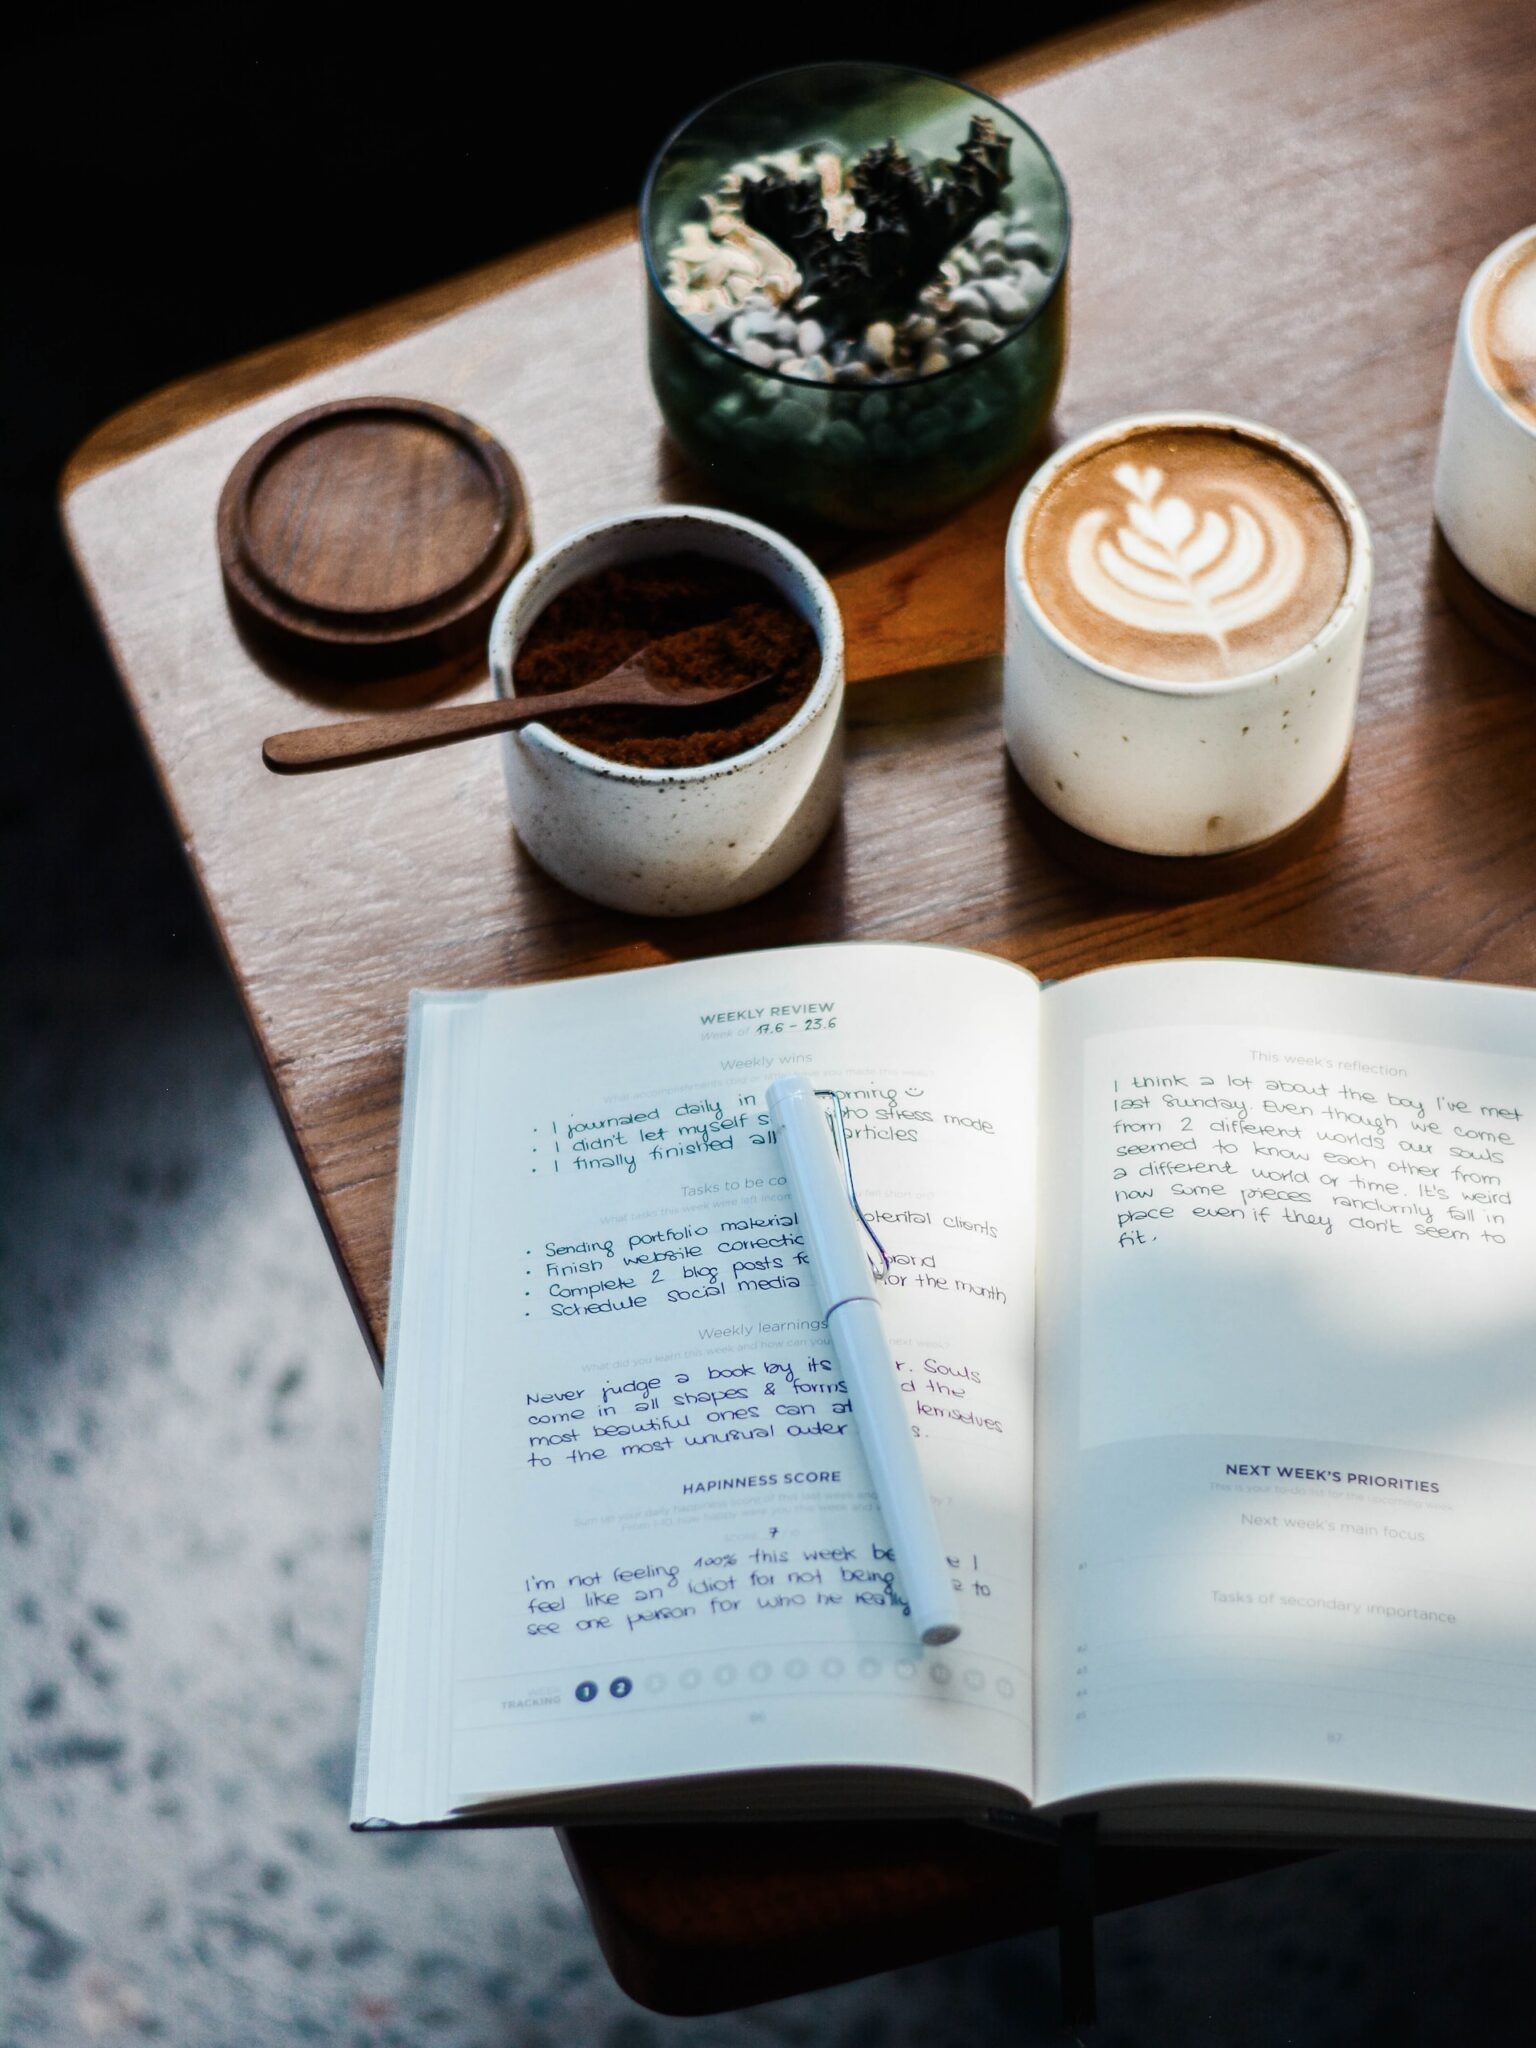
(1277, 206)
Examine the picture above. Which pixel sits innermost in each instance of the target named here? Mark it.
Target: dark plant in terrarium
(912, 219)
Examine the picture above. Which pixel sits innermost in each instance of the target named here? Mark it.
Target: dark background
(188, 183)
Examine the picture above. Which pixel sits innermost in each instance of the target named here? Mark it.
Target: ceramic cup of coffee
(1485, 478)
(675, 841)
(1186, 605)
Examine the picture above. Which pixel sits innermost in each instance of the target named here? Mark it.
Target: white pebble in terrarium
(867, 271)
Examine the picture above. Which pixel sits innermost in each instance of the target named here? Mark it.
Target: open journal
(1213, 1294)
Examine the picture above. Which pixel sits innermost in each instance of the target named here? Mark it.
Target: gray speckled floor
(190, 1429)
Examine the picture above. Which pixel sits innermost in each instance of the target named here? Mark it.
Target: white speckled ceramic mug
(673, 842)
(1208, 699)
(1485, 477)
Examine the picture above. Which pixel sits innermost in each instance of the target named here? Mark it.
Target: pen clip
(839, 1132)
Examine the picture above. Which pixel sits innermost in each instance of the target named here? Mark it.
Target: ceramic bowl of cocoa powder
(652, 813)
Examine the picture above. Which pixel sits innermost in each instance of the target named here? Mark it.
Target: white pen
(846, 1289)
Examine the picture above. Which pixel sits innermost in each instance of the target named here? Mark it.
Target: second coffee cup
(1186, 606)
(1485, 476)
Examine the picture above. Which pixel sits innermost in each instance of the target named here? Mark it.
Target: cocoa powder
(601, 621)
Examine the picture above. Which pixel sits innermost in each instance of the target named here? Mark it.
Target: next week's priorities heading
(1330, 1476)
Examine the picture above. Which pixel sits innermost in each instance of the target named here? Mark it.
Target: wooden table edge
(191, 401)
(977, 1887)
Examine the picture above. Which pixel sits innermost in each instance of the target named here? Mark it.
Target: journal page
(1287, 1531)
(628, 1531)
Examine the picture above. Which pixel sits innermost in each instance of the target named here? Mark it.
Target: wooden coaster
(371, 536)
(1177, 878)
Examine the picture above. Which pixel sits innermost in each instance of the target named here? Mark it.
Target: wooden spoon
(383, 736)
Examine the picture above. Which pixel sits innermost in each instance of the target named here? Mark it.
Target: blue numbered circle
(586, 1691)
(621, 1688)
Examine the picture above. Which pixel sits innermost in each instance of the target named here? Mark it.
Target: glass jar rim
(992, 348)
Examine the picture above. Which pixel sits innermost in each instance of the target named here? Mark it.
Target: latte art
(1504, 324)
(1190, 553)
(1172, 569)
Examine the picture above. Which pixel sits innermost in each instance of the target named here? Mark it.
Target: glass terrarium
(807, 370)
